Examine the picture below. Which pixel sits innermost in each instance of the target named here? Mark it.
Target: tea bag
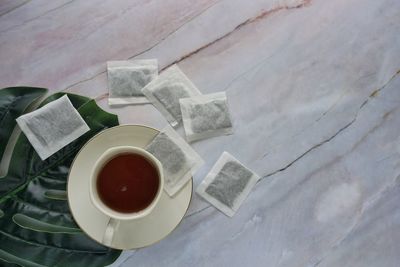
(126, 79)
(165, 91)
(52, 126)
(179, 160)
(206, 116)
(227, 185)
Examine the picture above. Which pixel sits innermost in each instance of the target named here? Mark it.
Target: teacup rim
(106, 156)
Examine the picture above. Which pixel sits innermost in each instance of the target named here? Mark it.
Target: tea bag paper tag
(165, 91)
(52, 126)
(179, 160)
(126, 79)
(206, 116)
(227, 184)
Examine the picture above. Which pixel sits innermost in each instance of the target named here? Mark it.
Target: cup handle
(108, 236)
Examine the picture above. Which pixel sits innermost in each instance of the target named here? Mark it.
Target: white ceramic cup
(115, 216)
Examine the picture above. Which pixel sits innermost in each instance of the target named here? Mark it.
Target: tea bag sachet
(227, 184)
(52, 126)
(206, 116)
(179, 160)
(165, 91)
(126, 79)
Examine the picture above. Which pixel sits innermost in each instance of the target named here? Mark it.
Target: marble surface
(314, 88)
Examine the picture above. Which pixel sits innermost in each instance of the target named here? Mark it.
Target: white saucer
(131, 234)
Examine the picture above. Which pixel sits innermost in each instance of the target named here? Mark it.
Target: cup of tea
(126, 184)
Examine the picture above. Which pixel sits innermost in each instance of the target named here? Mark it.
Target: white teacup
(115, 216)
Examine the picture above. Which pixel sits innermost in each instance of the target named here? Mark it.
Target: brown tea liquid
(128, 183)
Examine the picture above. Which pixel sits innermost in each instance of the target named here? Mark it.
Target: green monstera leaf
(36, 226)
(13, 102)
